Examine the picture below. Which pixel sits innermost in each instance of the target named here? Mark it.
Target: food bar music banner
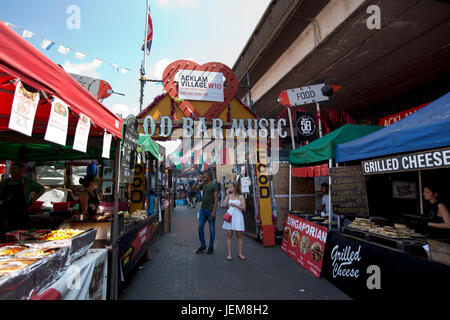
(304, 242)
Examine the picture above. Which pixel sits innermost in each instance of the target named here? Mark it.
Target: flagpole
(144, 62)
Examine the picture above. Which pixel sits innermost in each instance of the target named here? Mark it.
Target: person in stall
(90, 198)
(438, 215)
(15, 198)
(325, 204)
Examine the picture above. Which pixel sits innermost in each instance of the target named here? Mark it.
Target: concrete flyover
(330, 40)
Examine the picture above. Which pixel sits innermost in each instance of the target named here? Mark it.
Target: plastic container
(61, 206)
(36, 206)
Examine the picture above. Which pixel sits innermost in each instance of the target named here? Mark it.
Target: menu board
(130, 144)
(348, 191)
(304, 241)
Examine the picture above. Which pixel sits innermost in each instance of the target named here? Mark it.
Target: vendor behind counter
(90, 199)
(15, 198)
(438, 214)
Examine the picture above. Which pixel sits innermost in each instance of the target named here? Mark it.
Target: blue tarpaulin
(427, 128)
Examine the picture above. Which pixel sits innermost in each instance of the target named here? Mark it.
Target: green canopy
(323, 149)
(46, 152)
(149, 145)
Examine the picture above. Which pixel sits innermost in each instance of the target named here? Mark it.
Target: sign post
(304, 95)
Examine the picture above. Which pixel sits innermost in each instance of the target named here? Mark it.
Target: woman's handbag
(227, 217)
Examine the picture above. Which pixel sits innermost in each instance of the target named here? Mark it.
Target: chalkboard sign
(348, 191)
(129, 147)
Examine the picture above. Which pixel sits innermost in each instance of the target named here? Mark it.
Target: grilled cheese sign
(417, 161)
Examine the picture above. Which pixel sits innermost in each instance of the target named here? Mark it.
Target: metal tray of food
(78, 244)
(29, 275)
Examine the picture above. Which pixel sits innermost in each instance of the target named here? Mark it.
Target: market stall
(389, 250)
(321, 153)
(141, 225)
(305, 232)
(45, 115)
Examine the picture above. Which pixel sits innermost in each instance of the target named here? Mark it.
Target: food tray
(398, 243)
(21, 284)
(78, 245)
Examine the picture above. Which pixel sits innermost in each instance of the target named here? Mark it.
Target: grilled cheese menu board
(348, 191)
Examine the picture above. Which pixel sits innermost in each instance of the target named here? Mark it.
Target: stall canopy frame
(323, 149)
(427, 128)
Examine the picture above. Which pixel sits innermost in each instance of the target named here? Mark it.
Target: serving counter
(364, 269)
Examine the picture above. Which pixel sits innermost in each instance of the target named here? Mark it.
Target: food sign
(304, 242)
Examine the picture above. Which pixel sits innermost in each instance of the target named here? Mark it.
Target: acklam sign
(200, 85)
(393, 118)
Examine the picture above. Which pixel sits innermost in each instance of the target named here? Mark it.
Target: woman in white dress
(235, 202)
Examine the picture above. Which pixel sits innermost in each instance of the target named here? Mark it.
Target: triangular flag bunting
(63, 50)
(79, 55)
(27, 34)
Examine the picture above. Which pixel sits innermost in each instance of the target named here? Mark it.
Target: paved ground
(176, 272)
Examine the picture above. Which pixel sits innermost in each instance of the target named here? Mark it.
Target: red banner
(387, 121)
(324, 169)
(300, 172)
(304, 242)
(317, 171)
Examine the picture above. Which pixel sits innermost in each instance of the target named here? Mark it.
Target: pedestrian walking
(191, 195)
(235, 202)
(208, 210)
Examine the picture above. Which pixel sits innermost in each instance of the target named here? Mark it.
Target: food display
(35, 253)
(10, 250)
(316, 252)
(305, 245)
(139, 215)
(396, 231)
(61, 234)
(10, 265)
(287, 234)
(295, 238)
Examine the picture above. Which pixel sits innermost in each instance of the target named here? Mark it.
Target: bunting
(48, 44)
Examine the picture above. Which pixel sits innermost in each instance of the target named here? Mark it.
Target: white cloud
(122, 109)
(187, 3)
(163, 3)
(157, 69)
(177, 3)
(83, 69)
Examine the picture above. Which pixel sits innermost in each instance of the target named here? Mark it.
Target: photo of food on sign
(317, 252)
(287, 234)
(305, 245)
(295, 238)
(27, 94)
(60, 109)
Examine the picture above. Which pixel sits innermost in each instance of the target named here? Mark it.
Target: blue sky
(113, 30)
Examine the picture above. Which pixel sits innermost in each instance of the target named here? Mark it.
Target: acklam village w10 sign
(200, 85)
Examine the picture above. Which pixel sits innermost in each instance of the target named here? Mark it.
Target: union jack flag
(149, 31)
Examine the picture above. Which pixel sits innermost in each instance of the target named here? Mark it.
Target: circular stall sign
(306, 126)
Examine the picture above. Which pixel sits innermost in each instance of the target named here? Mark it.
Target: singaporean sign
(431, 159)
(200, 85)
(304, 242)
